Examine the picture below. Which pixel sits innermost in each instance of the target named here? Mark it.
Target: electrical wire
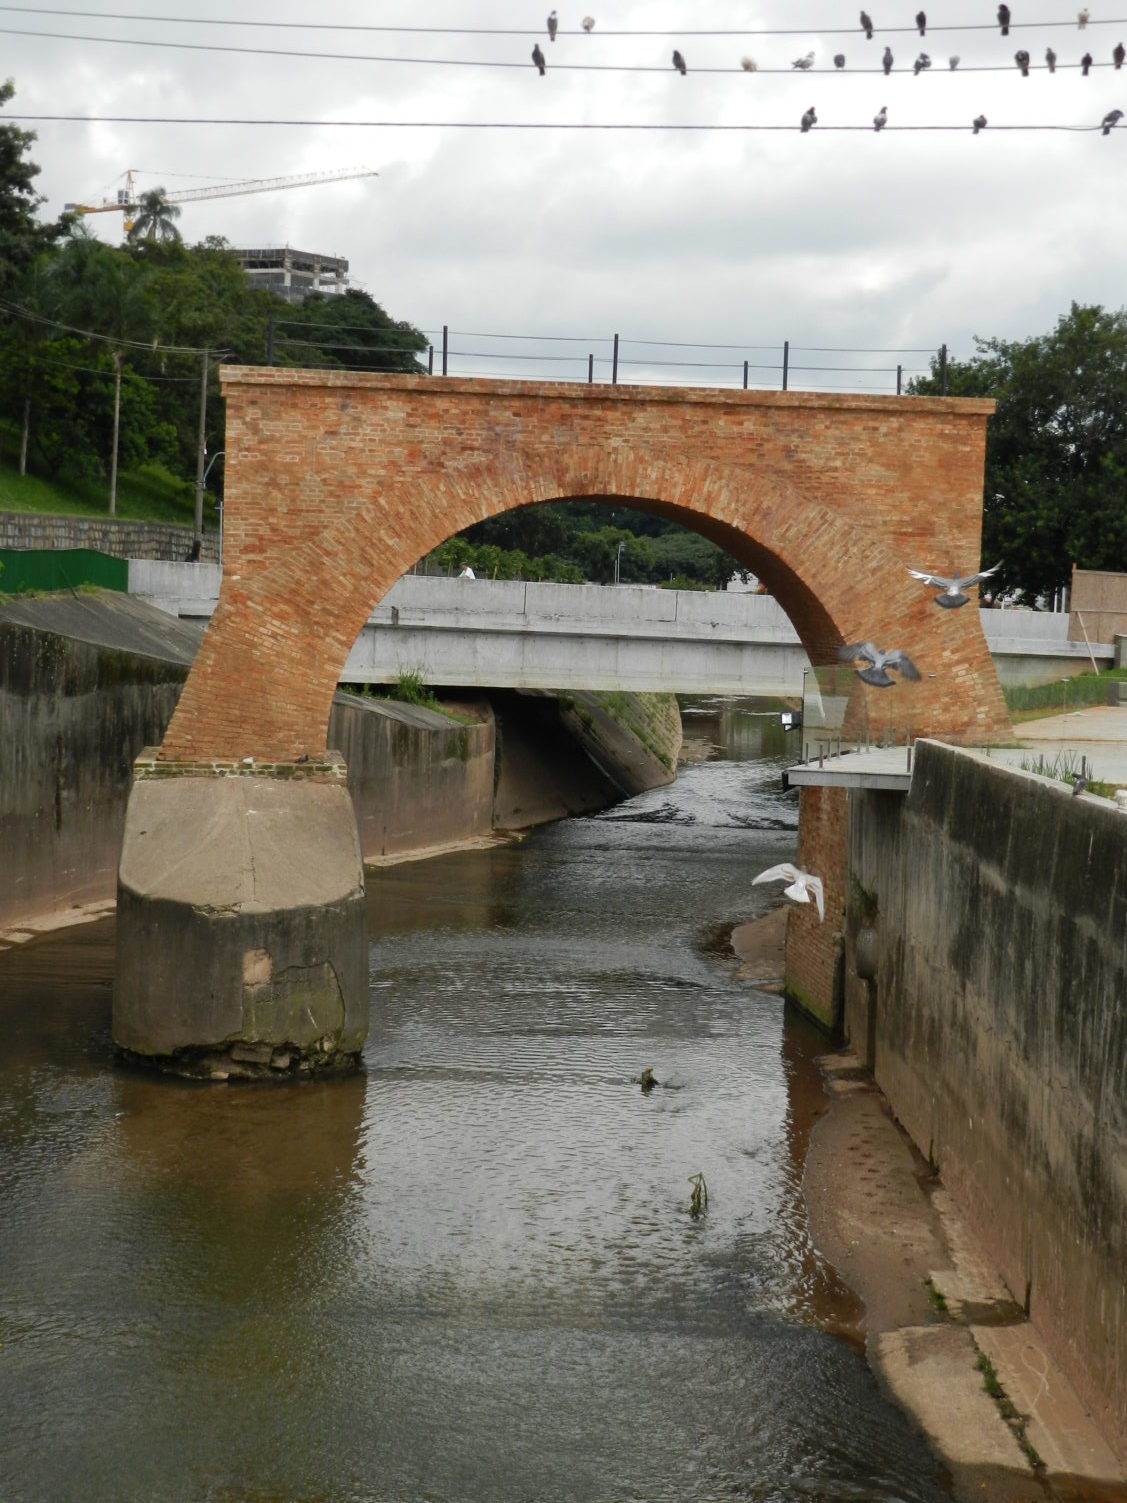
(151, 347)
(459, 62)
(536, 31)
(537, 125)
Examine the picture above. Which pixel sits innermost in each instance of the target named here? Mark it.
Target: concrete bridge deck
(513, 634)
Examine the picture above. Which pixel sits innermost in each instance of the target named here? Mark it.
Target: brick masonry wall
(120, 539)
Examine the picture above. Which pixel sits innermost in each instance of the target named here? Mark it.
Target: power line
(537, 125)
(151, 346)
(535, 31)
(459, 62)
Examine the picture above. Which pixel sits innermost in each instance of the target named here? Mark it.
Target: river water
(472, 1272)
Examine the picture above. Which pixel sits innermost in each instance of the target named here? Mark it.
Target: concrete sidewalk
(1098, 733)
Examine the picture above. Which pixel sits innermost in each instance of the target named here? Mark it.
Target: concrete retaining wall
(997, 1024)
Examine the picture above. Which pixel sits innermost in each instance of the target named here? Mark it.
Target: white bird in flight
(803, 885)
(878, 662)
(951, 590)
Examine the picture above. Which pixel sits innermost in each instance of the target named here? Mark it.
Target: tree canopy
(1056, 449)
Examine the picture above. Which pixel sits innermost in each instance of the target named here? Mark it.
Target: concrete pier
(242, 942)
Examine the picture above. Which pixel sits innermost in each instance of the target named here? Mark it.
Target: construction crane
(127, 200)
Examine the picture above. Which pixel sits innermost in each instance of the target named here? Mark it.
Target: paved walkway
(1098, 733)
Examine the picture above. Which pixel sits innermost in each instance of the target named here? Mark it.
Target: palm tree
(155, 217)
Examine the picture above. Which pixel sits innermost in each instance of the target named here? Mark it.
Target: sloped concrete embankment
(989, 910)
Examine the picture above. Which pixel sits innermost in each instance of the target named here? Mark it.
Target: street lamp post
(219, 453)
(618, 561)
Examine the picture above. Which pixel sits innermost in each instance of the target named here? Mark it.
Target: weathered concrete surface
(85, 682)
(242, 939)
(997, 1027)
(418, 778)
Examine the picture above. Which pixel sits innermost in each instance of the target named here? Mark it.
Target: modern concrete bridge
(504, 634)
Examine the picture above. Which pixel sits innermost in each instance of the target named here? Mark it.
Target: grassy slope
(150, 494)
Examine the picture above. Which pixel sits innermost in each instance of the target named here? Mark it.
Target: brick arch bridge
(336, 484)
(242, 940)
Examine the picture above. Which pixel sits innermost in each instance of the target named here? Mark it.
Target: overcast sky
(893, 241)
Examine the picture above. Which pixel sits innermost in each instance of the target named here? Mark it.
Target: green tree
(345, 329)
(22, 237)
(155, 218)
(1056, 449)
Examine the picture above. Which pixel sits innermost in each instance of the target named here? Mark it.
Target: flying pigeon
(953, 62)
(749, 65)
(1004, 19)
(867, 25)
(979, 123)
(921, 22)
(1119, 54)
(679, 63)
(808, 120)
(951, 590)
(878, 662)
(803, 885)
(1022, 60)
(886, 61)
(839, 59)
(1051, 59)
(553, 26)
(538, 58)
(805, 63)
(1111, 120)
(1085, 63)
(922, 62)
(1082, 18)
(880, 119)
(588, 23)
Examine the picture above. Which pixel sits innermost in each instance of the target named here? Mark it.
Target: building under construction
(293, 274)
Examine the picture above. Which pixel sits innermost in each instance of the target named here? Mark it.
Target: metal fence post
(430, 360)
(614, 364)
(899, 379)
(445, 348)
(786, 362)
(745, 375)
(943, 367)
(590, 370)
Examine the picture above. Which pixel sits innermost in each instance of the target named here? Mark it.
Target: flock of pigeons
(874, 667)
(809, 118)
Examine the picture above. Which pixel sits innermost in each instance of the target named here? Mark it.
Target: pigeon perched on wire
(867, 25)
(553, 26)
(804, 63)
(679, 63)
(877, 663)
(1004, 19)
(1082, 18)
(880, 119)
(980, 123)
(921, 22)
(1110, 121)
(538, 58)
(922, 62)
(803, 885)
(1022, 60)
(809, 120)
(588, 23)
(749, 65)
(1119, 54)
(1050, 60)
(886, 61)
(951, 590)
(953, 62)
(839, 59)
(1085, 63)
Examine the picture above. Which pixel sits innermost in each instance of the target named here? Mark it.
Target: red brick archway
(337, 483)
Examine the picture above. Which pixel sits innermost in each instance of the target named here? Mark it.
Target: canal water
(472, 1272)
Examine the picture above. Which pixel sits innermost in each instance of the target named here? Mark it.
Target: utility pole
(201, 450)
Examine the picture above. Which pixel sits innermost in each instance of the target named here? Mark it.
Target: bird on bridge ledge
(951, 590)
(877, 663)
(803, 885)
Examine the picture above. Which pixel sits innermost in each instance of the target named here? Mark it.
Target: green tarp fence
(60, 569)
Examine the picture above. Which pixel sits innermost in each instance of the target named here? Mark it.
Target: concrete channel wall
(996, 1022)
(88, 681)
